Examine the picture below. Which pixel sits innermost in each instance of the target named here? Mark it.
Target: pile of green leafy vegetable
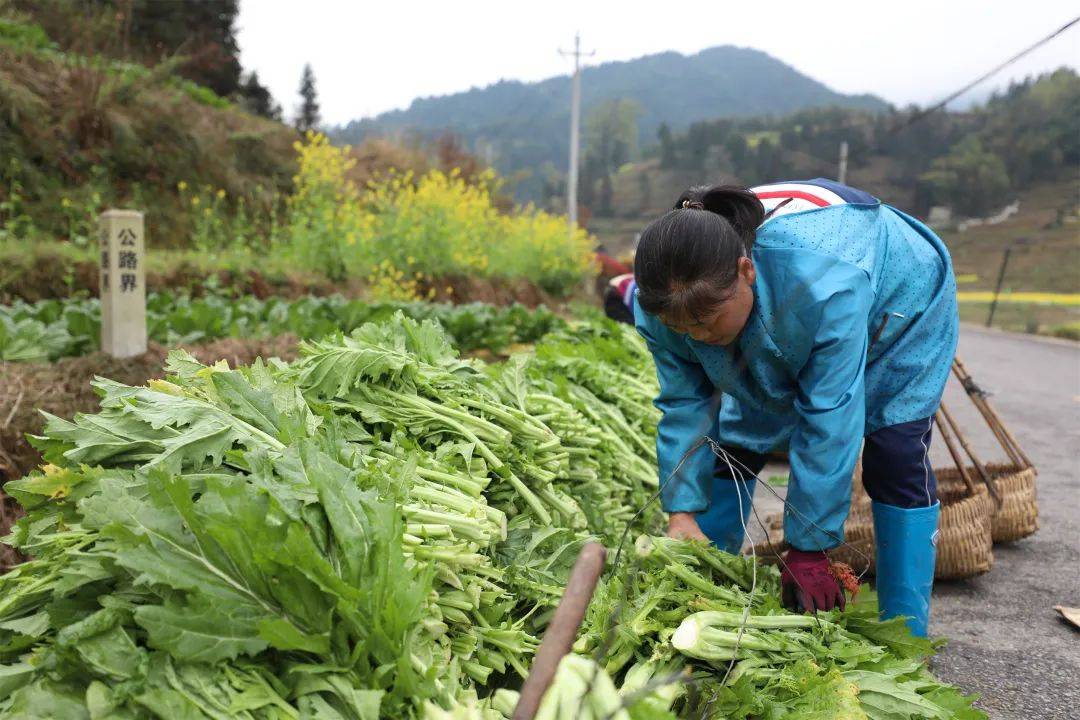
(52, 329)
(382, 529)
(708, 628)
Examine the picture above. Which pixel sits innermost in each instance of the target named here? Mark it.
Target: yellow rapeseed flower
(1037, 298)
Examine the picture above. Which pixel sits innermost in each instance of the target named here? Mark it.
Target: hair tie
(685, 204)
(695, 204)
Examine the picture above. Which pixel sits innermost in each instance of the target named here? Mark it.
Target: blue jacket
(853, 329)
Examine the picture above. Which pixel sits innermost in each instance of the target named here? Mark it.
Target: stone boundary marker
(123, 283)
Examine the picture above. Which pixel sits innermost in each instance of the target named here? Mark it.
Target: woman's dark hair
(687, 260)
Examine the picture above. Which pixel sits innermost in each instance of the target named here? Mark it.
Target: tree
(257, 99)
(697, 146)
(645, 188)
(1033, 127)
(204, 31)
(738, 152)
(307, 117)
(767, 162)
(970, 179)
(590, 173)
(667, 146)
(552, 188)
(611, 134)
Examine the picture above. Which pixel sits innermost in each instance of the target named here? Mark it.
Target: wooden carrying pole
(954, 451)
(984, 475)
(560, 634)
(978, 399)
(997, 426)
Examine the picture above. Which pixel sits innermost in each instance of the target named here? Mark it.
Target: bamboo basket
(964, 543)
(858, 548)
(1018, 516)
(1012, 483)
(965, 547)
(973, 517)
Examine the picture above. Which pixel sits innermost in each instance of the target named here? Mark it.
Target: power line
(934, 108)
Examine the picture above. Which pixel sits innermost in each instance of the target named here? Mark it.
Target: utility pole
(575, 130)
(1001, 278)
(841, 176)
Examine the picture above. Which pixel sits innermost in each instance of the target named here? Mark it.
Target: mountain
(524, 125)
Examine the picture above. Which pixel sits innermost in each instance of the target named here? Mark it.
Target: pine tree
(204, 31)
(308, 116)
(257, 99)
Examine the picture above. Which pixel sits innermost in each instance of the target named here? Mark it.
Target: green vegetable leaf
(247, 403)
(13, 677)
(201, 630)
(893, 634)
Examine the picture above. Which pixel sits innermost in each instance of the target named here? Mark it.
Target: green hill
(525, 124)
(973, 162)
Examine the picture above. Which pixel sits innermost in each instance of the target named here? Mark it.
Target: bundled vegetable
(748, 656)
(380, 530)
(581, 689)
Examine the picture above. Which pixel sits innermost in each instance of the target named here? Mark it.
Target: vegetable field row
(382, 529)
(52, 329)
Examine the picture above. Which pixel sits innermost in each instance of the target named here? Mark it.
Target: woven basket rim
(997, 470)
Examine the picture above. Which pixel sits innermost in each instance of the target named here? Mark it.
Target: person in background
(619, 298)
(807, 316)
(607, 268)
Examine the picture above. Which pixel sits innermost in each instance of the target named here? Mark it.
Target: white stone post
(123, 283)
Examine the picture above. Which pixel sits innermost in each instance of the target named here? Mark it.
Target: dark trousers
(896, 466)
(615, 308)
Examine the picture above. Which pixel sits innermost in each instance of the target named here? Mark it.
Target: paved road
(1005, 640)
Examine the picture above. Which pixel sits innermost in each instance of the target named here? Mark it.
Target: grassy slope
(79, 133)
(1047, 259)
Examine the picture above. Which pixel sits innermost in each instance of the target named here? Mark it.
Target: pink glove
(808, 584)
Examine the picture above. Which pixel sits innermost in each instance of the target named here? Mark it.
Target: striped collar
(803, 195)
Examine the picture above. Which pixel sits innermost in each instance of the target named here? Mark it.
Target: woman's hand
(808, 584)
(683, 526)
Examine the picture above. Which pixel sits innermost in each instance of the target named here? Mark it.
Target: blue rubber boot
(906, 540)
(722, 523)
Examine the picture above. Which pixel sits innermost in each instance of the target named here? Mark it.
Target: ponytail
(736, 204)
(687, 260)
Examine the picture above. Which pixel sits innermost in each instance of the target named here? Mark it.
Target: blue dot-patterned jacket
(853, 329)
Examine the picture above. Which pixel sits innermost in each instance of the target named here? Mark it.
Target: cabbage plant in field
(51, 329)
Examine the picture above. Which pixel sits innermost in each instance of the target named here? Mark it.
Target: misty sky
(371, 56)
